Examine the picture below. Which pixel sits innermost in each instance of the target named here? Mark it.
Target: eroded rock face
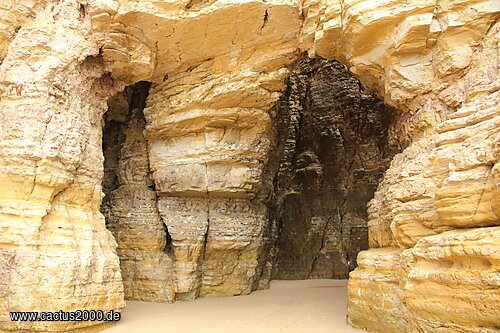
(209, 137)
(130, 205)
(55, 252)
(217, 68)
(231, 221)
(463, 263)
(439, 201)
(333, 148)
(376, 292)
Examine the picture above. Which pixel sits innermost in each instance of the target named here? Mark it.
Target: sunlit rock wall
(209, 133)
(130, 204)
(217, 68)
(55, 252)
(436, 208)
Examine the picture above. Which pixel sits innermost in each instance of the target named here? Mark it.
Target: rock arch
(433, 60)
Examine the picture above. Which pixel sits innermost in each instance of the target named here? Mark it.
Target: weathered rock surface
(209, 137)
(439, 200)
(13, 15)
(222, 240)
(130, 205)
(461, 263)
(217, 68)
(332, 149)
(55, 252)
(376, 296)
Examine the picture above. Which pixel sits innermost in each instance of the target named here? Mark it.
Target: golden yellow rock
(453, 282)
(187, 195)
(55, 251)
(436, 190)
(376, 297)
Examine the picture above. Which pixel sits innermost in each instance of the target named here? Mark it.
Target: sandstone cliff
(193, 207)
(435, 213)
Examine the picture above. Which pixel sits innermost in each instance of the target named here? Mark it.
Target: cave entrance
(333, 148)
(129, 205)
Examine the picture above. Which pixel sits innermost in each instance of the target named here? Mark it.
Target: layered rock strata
(208, 147)
(332, 150)
(212, 190)
(217, 68)
(376, 292)
(208, 128)
(130, 205)
(55, 251)
(438, 204)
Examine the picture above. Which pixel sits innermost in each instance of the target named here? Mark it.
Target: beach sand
(309, 306)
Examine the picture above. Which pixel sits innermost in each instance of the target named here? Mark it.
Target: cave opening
(331, 147)
(130, 202)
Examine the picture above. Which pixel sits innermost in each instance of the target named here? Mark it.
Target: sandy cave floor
(310, 306)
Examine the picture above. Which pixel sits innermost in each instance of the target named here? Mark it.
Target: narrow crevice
(205, 240)
(265, 20)
(120, 111)
(169, 249)
(82, 10)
